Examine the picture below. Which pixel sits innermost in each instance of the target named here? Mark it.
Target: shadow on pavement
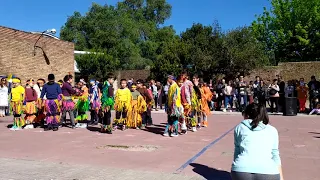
(155, 130)
(93, 129)
(9, 126)
(313, 133)
(210, 173)
(317, 137)
(160, 125)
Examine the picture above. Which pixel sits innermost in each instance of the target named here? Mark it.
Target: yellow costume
(122, 105)
(138, 106)
(16, 105)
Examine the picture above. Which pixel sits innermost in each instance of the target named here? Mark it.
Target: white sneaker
(84, 125)
(166, 135)
(29, 126)
(184, 127)
(194, 129)
(18, 129)
(174, 135)
(13, 128)
(224, 110)
(77, 125)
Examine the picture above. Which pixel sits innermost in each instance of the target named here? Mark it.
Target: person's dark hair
(122, 80)
(196, 76)
(60, 81)
(258, 113)
(111, 76)
(51, 77)
(67, 78)
(275, 80)
(139, 81)
(257, 77)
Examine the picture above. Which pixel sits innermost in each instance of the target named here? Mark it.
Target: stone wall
(17, 55)
(288, 71)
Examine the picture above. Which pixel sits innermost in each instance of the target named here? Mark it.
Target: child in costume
(107, 103)
(83, 105)
(95, 103)
(196, 104)
(40, 119)
(16, 105)
(146, 116)
(206, 96)
(31, 106)
(122, 104)
(175, 109)
(186, 97)
(67, 100)
(138, 106)
(52, 91)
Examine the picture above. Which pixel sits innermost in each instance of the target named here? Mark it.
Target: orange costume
(302, 97)
(205, 98)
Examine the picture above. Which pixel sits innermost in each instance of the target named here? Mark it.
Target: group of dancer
(48, 103)
(187, 105)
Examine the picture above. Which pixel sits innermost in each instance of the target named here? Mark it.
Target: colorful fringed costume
(122, 106)
(206, 96)
(83, 105)
(95, 102)
(53, 92)
(175, 109)
(186, 103)
(138, 107)
(107, 103)
(196, 107)
(31, 106)
(16, 105)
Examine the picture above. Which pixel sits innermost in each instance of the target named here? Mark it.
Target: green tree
(126, 32)
(243, 52)
(96, 64)
(290, 30)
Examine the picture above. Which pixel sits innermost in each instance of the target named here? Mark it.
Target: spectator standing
(274, 95)
(4, 97)
(302, 91)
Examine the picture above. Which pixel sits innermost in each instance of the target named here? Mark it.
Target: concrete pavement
(137, 154)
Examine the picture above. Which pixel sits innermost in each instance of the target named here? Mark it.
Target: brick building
(17, 55)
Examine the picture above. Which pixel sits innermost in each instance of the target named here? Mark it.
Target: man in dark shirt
(146, 116)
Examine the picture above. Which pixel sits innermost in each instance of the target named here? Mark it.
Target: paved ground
(135, 154)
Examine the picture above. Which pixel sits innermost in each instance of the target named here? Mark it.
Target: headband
(133, 86)
(16, 81)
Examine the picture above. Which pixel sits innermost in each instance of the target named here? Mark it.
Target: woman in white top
(274, 95)
(4, 97)
(228, 96)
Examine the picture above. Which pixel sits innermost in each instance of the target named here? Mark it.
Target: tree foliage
(131, 35)
(290, 30)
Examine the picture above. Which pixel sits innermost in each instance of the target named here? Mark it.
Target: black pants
(274, 101)
(155, 102)
(106, 119)
(251, 176)
(94, 116)
(121, 114)
(219, 102)
(146, 117)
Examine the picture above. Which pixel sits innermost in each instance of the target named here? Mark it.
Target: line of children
(187, 103)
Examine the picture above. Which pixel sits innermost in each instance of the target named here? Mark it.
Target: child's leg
(169, 123)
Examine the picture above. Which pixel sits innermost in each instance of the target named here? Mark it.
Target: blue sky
(39, 15)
